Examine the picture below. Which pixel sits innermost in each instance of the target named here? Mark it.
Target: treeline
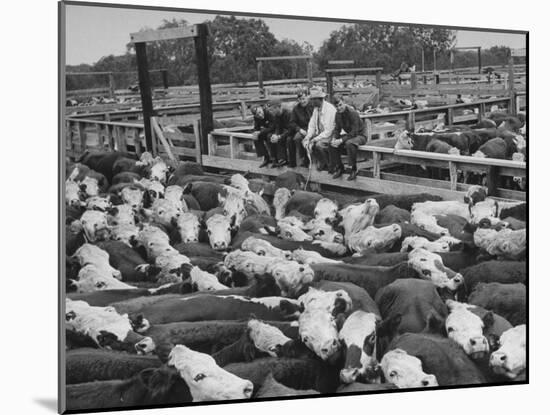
(234, 44)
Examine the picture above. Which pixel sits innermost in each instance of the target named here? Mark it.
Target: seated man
(320, 128)
(264, 126)
(347, 119)
(301, 114)
(278, 140)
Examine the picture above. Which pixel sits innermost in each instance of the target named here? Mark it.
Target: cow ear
(388, 326)
(488, 320)
(340, 320)
(187, 188)
(147, 200)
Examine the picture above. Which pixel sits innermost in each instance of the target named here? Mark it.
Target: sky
(94, 32)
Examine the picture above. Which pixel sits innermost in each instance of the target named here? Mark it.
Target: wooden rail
(228, 148)
(101, 135)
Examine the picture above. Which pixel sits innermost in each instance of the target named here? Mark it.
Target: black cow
(291, 180)
(125, 259)
(441, 357)
(303, 202)
(103, 161)
(205, 193)
(89, 365)
(371, 278)
(103, 298)
(504, 272)
(403, 201)
(185, 168)
(273, 389)
(392, 214)
(507, 300)
(153, 386)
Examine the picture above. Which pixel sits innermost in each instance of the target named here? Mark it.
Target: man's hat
(316, 92)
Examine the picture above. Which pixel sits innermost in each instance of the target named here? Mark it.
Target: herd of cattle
(186, 287)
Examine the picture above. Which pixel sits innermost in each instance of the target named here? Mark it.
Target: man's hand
(255, 134)
(305, 142)
(336, 142)
(275, 138)
(303, 132)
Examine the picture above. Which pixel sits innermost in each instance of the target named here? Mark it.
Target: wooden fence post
(376, 165)
(260, 79)
(413, 81)
(164, 74)
(111, 85)
(329, 85)
(309, 66)
(379, 81)
(145, 91)
(453, 174)
(205, 90)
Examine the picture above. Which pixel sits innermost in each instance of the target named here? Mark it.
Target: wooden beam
(260, 79)
(160, 135)
(341, 62)
(353, 70)
(164, 34)
(201, 52)
(277, 58)
(145, 91)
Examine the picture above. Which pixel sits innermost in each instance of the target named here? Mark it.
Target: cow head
(511, 358)
(404, 140)
(218, 228)
(204, 281)
(102, 204)
(175, 195)
(90, 186)
(132, 196)
(292, 233)
(125, 233)
(466, 329)
(122, 215)
(475, 194)
(405, 371)
(267, 338)
(165, 212)
(264, 248)
(429, 266)
(238, 181)
(188, 226)
(317, 329)
(158, 170)
(327, 210)
(335, 302)
(205, 379)
(487, 208)
(233, 208)
(106, 327)
(73, 196)
(320, 230)
(94, 224)
(374, 239)
(92, 278)
(358, 335)
(355, 218)
(280, 199)
(291, 277)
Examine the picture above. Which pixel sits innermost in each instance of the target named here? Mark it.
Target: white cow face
(290, 276)
(428, 222)
(280, 199)
(168, 261)
(98, 203)
(326, 209)
(404, 140)
(355, 218)
(132, 196)
(219, 232)
(233, 208)
(430, 267)
(95, 226)
(322, 231)
(266, 338)
(487, 208)
(204, 281)
(264, 248)
(441, 245)
(72, 194)
(292, 233)
(511, 358)
(248, 262)
(318, 332)
(159, 170)
(125, 233)
(89, 253)
(310, 257)
(188, 226)
(257, 201)
(358, 334)
(89, 186)
(122, 215)
(165, 212)
(91, 278)
(205, 379)
(374, 239)
(175, 195)
(239, 182)
(466, 329)
(405, 371)
(335, 302)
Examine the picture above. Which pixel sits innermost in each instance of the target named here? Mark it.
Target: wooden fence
(228, 148)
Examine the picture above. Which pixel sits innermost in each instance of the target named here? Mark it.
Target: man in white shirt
(320, 128)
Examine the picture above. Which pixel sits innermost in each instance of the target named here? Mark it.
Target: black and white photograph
(258, 207)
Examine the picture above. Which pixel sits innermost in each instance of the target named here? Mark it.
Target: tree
(383, 45)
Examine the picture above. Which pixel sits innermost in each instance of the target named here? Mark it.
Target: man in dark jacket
(264, 126)
(299, 120)
(281, 134)
(347, 119)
